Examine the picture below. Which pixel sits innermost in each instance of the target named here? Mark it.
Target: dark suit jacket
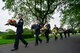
(48, 30)
(19, 26)
(37, 28)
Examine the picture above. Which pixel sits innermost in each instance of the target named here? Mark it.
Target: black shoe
(14, 49)
(26, 45)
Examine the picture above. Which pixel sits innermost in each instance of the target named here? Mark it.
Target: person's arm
(20, 23)
(49, 26)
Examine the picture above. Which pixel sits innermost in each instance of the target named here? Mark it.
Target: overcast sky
(4, 16)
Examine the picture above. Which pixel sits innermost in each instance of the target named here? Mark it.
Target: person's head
(20, 16)
(46, 22)
(37, 21)
(54, 25)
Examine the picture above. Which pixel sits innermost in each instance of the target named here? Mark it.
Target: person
(55, 31)
(68, 32)
(37, 28)
(19, 32)
(65, 31)
(47, 31)
(60, 30)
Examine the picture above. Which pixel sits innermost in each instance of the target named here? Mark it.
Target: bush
(26, 34)
(14, 36)
(2, 33)
(8, 36)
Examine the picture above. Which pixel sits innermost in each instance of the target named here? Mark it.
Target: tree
(32, 9)
(71, 13)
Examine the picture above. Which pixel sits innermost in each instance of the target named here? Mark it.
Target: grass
(8, 41)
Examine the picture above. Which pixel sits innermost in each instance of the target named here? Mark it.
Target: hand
(12, 24)
(7, 24)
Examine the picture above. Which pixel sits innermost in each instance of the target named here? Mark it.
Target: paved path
(69, 45)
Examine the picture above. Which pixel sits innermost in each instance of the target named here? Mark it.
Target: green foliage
(6, 41)
(9, 4)
(71, 13)
(28, 33)
(10, 34)
(33, 9)
(2, 33)
(44, 9)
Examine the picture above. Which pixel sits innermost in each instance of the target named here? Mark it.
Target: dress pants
(37, 38)
(16, 44)
(47, 37)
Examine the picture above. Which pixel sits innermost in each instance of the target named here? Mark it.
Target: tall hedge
(28, 33)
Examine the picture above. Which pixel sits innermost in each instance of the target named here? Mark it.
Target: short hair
(55, 25)
(20, 14)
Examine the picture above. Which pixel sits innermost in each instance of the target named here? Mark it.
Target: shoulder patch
(21, 20)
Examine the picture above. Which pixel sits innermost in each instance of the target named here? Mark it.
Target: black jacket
(19, 26)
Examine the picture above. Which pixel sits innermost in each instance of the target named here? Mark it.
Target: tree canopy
(71, 13)
(32, 9)
(44, 9)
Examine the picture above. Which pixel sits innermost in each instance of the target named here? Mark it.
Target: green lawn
(8, 41)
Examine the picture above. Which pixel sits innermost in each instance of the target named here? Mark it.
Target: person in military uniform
(47, 31)
(37, 28)
(19, 32)
(65, 32)
(55, 31)
(60, 31)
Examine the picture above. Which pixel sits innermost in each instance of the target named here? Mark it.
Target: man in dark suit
(60, 31)
(65, 32)
(68, 32)
(47, 25)
(19, 32)
(37, 28)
